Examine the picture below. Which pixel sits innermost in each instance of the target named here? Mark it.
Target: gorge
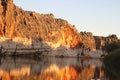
(35, 46)
(27, 29)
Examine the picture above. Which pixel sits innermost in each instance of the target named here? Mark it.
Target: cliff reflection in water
(51, 69)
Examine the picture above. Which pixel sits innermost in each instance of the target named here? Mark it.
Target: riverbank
(59, 52)
(27, 47)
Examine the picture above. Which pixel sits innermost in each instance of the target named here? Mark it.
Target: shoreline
(35, 48)
(42, 52)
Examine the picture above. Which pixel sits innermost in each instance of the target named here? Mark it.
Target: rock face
(101, 41)
(8, 19)
(96, 42)
(15, 22)
(88, 40)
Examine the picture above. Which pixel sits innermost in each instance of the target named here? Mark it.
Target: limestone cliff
(88, 40)
(8, 20)
(15, 22)
(96, 42)
(101, 41)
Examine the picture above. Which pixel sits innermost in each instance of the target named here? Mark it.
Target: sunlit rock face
(15, 22)
(88, 40)
(70, 37)
(8, 20)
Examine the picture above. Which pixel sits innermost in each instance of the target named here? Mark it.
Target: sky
(101, 17)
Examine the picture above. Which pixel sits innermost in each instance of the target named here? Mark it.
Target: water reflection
(52, 68)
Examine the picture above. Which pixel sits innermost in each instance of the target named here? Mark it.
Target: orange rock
(6, 76)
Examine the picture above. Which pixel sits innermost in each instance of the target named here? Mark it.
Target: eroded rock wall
(15, 22)
(88, 40)
(101, 41)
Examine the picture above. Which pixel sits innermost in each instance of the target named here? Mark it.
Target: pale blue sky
(101, 17)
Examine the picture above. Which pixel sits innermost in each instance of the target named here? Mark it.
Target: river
(85, 69)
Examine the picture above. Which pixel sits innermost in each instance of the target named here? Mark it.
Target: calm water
(38, 65)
